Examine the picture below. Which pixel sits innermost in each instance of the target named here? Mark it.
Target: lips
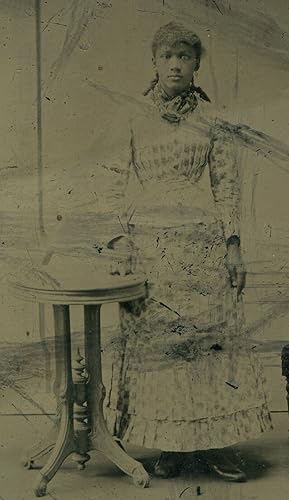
(175, 77)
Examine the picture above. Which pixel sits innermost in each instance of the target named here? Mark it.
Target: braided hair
(198, 90)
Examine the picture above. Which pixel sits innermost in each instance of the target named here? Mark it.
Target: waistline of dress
(171, 217)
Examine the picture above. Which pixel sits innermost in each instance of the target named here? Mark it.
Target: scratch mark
(79, 18)
(26, 396)
(186, 489)
(213, 74)
(21, 413)
(119, 219)
(254, 190)
(57, 13)
(149, 11)
(236, 83)
(252, 29)
(130, 218)
(280, 167)
(167, 307)
(9, 166)
(217, 6)
(244, 135)
(112, 242)
(41, 228)
(198, 491)
(60, 24)
(276, 311)
(52, 496)
(165, 256)
(30, 258)
(232, 385)
(81, 13)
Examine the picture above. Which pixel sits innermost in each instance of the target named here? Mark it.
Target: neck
(172, 108)
(170, 94)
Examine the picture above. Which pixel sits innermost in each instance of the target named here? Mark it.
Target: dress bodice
(176, 170)
(164, 151)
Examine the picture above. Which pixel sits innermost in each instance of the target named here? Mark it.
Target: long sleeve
(225, 179)
(114, 157)
(117, 193)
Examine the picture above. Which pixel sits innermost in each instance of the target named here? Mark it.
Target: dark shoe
(169, 465)
(221, 465)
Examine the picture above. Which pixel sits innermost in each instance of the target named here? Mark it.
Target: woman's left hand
(236, 268)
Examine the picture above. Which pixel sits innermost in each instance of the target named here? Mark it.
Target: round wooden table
(79, 389)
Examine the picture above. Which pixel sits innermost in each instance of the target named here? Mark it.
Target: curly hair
(172, 33)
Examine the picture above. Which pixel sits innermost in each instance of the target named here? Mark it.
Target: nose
(175, 63)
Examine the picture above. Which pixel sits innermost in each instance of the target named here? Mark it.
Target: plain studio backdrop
(95, 60)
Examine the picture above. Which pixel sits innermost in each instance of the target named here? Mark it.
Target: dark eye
(185, 57)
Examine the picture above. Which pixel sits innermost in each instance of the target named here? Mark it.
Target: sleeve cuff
(233, 240)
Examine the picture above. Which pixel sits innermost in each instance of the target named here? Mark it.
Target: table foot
(80, 459)
(41, 488)
(140, 477)
(64, 447)
(104, 443)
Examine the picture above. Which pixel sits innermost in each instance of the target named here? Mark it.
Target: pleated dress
(184, 375)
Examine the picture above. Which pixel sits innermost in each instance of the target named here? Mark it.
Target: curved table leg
(65, 446)
(46, 445)
(66, 443)
(100, 439)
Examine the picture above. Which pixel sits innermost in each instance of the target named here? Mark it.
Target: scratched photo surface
(144, 197)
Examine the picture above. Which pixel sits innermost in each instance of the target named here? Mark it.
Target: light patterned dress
(184, 376)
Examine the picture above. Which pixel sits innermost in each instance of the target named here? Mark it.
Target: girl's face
(175, 66)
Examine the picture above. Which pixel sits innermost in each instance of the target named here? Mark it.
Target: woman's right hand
(122, 253)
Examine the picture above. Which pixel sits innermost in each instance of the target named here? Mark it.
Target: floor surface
(266, 462)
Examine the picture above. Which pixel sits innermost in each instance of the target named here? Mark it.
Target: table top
(74, 282)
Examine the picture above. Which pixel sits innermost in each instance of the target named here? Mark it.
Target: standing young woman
(185, 377)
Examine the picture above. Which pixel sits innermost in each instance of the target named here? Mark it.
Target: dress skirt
(185, 375)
